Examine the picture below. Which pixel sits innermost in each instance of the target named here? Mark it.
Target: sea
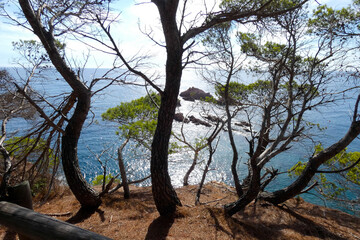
(100, 141)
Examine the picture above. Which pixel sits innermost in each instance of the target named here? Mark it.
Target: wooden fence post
(20, 194)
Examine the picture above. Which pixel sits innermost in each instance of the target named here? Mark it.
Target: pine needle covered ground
(137, 217)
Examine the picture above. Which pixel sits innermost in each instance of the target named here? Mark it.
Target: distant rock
(193, 94)
(214, 119)
(197, 121)
(243, 124)
(180, 118)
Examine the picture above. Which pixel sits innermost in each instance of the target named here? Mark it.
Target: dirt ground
(137, 218)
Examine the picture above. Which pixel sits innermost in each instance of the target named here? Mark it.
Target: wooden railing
(37, 226)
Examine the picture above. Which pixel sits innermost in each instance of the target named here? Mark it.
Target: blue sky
(127, 33)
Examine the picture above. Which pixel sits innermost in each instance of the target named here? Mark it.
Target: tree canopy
(294, 58)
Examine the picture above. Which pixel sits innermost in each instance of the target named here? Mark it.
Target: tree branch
(38, 108)
(236, 15)
(341, 170)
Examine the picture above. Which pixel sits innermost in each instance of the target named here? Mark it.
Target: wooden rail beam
(41, 227)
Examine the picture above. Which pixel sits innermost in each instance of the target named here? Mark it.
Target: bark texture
(311, 168)
(164, 194)
(250, 194)
(192, 167)
(78, 185)
(124, 179)
(41, 227)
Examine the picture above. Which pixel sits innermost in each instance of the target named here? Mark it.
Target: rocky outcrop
(197, 121)
(213, 119)
(179, 117)
(243, 124)
(193, 94)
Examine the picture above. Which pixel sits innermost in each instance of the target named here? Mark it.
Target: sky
(127, 33)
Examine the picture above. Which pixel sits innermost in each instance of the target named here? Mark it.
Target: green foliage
(250, 44)
(233, 5)
(39, 185)
(273, 50)
(239, 92)
(19, 147)
(210, 100)
(31, 50)
(33, 150)
(144, 108)
(59, 45)
(344, 22)
(297, 169)
(201, 142)
(316, 125)
(99, 179)
(215, 36)
(34, 51)
(217, 39)
(175, 147)
(37, 153)
(343, 160)
(300, 89)
(334, 187)
(137, 118)
(273, 53)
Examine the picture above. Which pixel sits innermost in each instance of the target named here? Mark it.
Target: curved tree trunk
(250, 194)
(78, 185)
(203, 177)
(192, 167)
(312, 166)
(235, 159)
(82, 191)
(164, 194)
(124, 179)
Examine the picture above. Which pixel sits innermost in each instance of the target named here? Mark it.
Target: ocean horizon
(98, 135)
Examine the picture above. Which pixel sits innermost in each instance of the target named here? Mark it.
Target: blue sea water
(99, 136)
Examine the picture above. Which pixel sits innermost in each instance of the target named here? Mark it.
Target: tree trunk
(192, 167)
(78, 185)
(164, 194)
(250, 194)
(124, 179)
(311, 168)
(235, 159)
(7, 170)
(206, 170)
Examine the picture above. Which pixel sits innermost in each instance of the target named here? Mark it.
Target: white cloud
(127, 33)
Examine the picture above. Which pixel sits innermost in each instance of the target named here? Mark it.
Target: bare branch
(119, 54)
(38, 108)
